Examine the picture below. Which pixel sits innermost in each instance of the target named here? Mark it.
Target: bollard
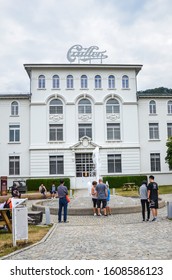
(169, 210)
(70, 193)
(47, 216)
(113, 191)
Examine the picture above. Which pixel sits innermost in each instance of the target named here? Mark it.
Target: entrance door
(85, 170)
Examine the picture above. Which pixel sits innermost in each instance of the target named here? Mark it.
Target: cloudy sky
(132, 31)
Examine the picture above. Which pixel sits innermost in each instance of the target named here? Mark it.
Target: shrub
(118, 181)
(33, 184)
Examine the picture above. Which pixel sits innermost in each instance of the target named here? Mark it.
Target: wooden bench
(129, 186)
(5, 220)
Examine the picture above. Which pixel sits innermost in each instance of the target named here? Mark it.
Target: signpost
(85, 54)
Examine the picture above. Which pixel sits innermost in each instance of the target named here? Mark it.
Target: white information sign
(19, 221)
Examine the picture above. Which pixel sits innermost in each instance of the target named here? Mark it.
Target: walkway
(114, 237)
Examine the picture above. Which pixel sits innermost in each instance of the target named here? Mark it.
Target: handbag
(67, 198)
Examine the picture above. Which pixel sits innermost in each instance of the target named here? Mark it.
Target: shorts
(153, 204)
(107, 203)
(53, 192)
(103, 201)
(94, 202)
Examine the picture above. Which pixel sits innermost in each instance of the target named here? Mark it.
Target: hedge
(118, 181)
(33, 184)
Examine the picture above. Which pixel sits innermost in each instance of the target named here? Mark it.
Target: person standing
(94, 197)
(53, 191)
(153, 197)
(62, 192)
(143, 192)
(108, 209)
(101, 190)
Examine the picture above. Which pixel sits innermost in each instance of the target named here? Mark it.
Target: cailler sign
(85, 54)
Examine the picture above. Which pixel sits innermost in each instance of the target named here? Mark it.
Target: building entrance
(84, 169)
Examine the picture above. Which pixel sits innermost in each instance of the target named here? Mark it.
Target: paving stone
(122, 236)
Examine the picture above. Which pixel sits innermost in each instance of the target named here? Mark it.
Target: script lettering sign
(85, 54)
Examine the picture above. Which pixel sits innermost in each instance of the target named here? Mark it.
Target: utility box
(19, 220)
(3, 185)
(169, 210)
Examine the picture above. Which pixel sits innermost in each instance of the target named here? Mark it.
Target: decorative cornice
(55, 118)
(85, 117)
(113, 117)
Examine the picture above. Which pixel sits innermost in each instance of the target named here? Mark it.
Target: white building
(73, 108)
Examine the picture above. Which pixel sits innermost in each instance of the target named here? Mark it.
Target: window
(152, 107)
(114, 164)
(98, 81)
(169, 130)
(111, 82)
(14, 108)
(14, 165)
(56, 81)
(56, 107)
(56, 132)
(125, 81)
(84, 165)
(169, 107)
(85, 130)
(112, 106)
(84, 81)
(84, 106)
(41, 82)
(56, 165)
(113, 131)
(155, 162)
(14, 133)
(69, 81)
(153, 131)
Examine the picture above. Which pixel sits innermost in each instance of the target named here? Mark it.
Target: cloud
(42, 31)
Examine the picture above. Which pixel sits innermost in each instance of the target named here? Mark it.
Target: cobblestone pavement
(113, 237)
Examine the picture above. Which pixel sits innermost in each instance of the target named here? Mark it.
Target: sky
(42, 31)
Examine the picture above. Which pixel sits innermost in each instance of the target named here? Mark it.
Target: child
(108, 209)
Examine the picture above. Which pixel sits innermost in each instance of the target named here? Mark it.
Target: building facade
(72, 109)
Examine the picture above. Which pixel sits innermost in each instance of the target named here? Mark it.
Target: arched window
(125, 81)
(111, 82)
(14, 108)
(169, 105)
(84, 106)
(69, 81)
(152, 107)
(56, 81)
(84, 81)
(56, 106)
(112, 106)
(98, 81)
(41, 81)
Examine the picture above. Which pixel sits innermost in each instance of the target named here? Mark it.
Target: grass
(35, 234)
(162, 190)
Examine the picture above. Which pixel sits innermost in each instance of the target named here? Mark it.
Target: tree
(168, 158)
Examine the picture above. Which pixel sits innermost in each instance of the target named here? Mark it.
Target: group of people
(43, 191)
(100, 193)
(149, 198)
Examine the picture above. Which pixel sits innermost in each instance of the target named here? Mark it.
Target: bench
(129, 186)
(35, 217)
(21, 188)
